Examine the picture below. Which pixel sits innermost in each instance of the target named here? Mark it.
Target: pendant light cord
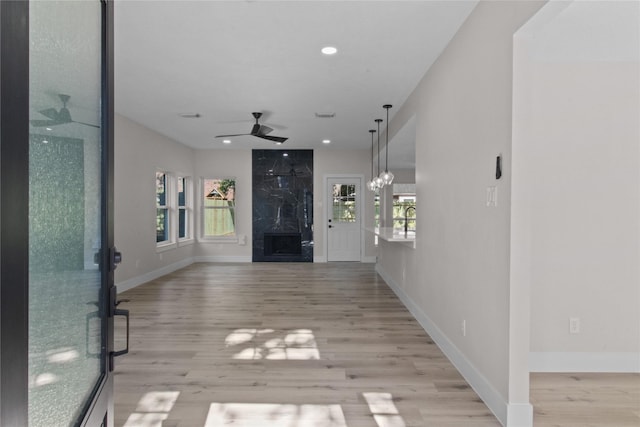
(372, 132)
(386, 161)
(378, 122)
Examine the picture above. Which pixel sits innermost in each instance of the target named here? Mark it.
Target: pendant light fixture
(378, 180)
(386, 176)
(371, 185)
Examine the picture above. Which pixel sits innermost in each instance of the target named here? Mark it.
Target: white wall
(139, 152)
(459, 270)
(577, 174)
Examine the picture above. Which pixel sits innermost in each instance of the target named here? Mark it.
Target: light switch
(492, 196)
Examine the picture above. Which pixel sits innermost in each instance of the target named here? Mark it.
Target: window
(162, 208)
(218, 207)
(184, 208)
(404, 204)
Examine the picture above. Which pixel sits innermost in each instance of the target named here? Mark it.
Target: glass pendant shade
(379, 182)
(371, 185)
(386, 177)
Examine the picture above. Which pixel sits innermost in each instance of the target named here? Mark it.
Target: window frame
(187, 208)
(202, 208)
(168, 206)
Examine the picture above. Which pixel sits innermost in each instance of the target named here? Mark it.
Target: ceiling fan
(58, 117)
(259, 131)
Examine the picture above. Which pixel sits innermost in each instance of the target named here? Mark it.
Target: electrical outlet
(464, 328)
(574, 325)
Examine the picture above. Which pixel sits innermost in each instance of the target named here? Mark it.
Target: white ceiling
(225, 59)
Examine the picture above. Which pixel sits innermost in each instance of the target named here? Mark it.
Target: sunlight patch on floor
(384, 410)
(274, 415)
(297, 344)
(152, 409)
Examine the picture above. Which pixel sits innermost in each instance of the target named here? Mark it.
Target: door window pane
(344, 203)
(66, 353)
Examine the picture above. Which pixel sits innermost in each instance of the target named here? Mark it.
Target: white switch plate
(574, 325)
(492, 196)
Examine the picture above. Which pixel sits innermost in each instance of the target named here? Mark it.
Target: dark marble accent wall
(282, 204)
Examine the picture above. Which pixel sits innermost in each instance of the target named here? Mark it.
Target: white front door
(343, 219)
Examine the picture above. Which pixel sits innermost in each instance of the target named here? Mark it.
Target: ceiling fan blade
(255, 130)
(264, 130)
(86, 124)
(279, 139)
(52, 113)
(43, 123)
(237, 134)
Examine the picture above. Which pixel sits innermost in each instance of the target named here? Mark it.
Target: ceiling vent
(325, 115)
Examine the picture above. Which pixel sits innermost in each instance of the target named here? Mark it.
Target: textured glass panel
(344, 203)
(65, 326)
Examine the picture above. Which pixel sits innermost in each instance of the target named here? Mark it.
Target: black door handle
(118, 312)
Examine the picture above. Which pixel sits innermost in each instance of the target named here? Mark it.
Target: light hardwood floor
(306, 345)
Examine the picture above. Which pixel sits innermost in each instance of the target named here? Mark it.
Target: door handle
(125, 313)
(114, 311)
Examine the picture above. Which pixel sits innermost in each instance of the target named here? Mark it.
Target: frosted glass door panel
(66, 347)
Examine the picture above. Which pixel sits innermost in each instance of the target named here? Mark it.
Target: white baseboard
(219, 258)
(511, 415)
(152, 275)
(623, 362)
(366, 259)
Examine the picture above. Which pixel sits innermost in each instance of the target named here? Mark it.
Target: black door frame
(14, 221)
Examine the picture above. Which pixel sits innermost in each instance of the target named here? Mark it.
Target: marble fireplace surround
(282, 199)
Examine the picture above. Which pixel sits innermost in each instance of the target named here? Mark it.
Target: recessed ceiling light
(285, 155)
(226, 141)
(326, 141)
(278, 143)
(329, 50)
